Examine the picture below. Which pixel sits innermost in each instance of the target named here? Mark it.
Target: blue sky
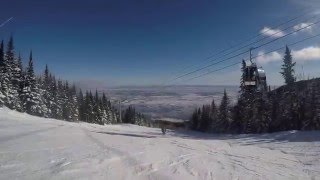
(146, 42)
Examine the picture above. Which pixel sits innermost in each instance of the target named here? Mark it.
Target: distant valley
(170, 102)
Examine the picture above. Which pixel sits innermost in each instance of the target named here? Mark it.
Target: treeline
(46, 96)
(294, 106)
(130, 115)
(213, 118)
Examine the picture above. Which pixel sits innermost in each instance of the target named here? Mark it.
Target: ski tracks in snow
(38, 148)
(119, 161)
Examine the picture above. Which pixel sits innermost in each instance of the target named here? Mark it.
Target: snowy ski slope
(39, 148)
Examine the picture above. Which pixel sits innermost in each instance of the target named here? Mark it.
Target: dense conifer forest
(46, 96)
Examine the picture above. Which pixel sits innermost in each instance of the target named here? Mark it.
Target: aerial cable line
(246, 46)
(239, 54)
(250, 39)
(5, 22)
(275, 50)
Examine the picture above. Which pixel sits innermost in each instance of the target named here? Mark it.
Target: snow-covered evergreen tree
(12, 78)
(89, 111)
(81, 108)
(60, 100)
(16, 82)
(66, 107)
(141, 120)
(107, 111)
(54, 107)
(46, 92)
(44, 96)
(31, 95)
(2, 76)
(73, 104)
(97, 111)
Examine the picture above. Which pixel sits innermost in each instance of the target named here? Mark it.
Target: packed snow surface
(39, 148)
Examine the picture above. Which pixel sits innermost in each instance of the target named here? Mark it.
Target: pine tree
(239, 111)
(9, 57)
(224, 113)
(205, 118)
(107, 110)
(242, 111)
(130, 116)
(288, 67)
(2, 75)
(97, 113)
(261, 116)
(115, 116)
(213, 116)
(6, 86)
(89, 111)
(66, 109)
(236, 124)
(1, 94)
(12, 78)
(45, 92)
(81, 107)
(17, 74)
(194, 121)
(103, 110)
(2, 61)
(127, 115)
(31, 96)
(22, 74)
(60, 100)
(54, 108)
(73, 101)
(242, 79)
(86, 107)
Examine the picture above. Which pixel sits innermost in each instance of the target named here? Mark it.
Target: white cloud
(303, 25)
(311, 53)
(264, 59)
(272, 32)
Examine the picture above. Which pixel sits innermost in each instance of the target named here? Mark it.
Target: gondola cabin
(250, 75)
(255, 78)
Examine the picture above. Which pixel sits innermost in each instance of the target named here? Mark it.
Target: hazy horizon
(176, 102)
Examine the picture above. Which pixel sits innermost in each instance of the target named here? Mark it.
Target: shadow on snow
(244, 139)
(248, 139)
(131, 135)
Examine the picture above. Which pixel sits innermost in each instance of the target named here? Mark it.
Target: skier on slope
(163, 128)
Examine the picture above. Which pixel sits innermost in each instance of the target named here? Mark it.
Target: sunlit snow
(39, 148)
